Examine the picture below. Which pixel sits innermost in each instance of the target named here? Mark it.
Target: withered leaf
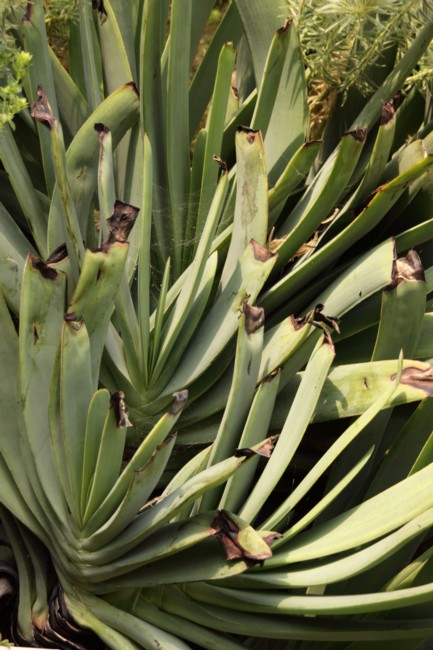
(58, 255)
(407, 268)
(264, 450)
(180, 399)
(421, 378)
(320, 317)
(254, 317)
(271, 537)
(121, 221)
(117, 402)
(261, 253)
(46, 271)
(41, 110)
(388, 113)
(239, 543)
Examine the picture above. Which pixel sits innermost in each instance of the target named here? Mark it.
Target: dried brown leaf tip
(98, 5)
(179, 401)
(282, 30)
(318, 319)
(264, 450)
(47, 272)
(101, 130)
(73, 320)
(388, 113)
(261, 253)
(117, 402)
(59, 629)
(41, 110)
(121, 221)
(407, 268)
(251, 134)
(58, 255)
(28, 13)
(358, 134)
(222, 164)
(271, 537)
(254, 318)
(239, 543)
(421, 378)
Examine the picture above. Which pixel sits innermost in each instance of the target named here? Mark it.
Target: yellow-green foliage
(13, 64)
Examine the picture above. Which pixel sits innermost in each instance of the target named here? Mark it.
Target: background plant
(267, 291)
(352, 45)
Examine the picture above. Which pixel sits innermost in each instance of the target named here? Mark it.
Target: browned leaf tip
(310, 143)
(180, 399)
(420, 378)
(254, 318)
(47, 272)
(98, 5)
(261, 253)
(28, 13)
(57, 628)
(134, 88)
(285, 27)
(222, 163)
(71, 317)
(407, 268)
(58, 255)
(358, 134)
(101, 130)
(388, 113)
(299, 322)
(74, 322)
(246, 129)
(41, 110)
(251, 134)
(121, 221)
(117, 402)
(264, 450)
(320, 317)
(227, 532)
(271, 537)
(271, 376)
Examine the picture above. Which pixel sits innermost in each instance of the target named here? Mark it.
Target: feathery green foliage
(345, 42)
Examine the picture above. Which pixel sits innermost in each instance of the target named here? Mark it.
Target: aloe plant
(192, 291)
